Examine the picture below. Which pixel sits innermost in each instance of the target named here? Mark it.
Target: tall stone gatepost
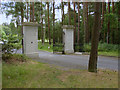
(30, 38)
(68, 39)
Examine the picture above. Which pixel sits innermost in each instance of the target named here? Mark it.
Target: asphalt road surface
(76, 61)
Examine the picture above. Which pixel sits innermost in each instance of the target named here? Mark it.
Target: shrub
(14, 58)
(107, 47)
(10, 42)
(87, 47)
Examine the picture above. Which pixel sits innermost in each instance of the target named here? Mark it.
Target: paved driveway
(76, 61)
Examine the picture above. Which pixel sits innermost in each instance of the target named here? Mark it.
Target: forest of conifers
(79, 14)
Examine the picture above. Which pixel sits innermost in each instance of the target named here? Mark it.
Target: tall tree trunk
(27, 11)
(30, 12)
(62, 12)
(103, 20)
(22, 20)
(92, 67)
(78, 37)
(48, 24)
(17, 25)
(33, 11)
(112, 32)
(108, 32)
(53, 22)
(112, 6)
(103, 10)
(87, 25)
(119, 26)
(74, 24)
(42, 24)
(103, 6)
(85, 16)
(63, 17)
(69, 14)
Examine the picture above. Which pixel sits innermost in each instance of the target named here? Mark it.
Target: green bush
(87, 47)
(107, 47)
(10, 42)
(14, 57)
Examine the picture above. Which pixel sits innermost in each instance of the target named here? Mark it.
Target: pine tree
(62, 12)
(53, 22)
(78, 37)
(74, 23)
(32, 11)
(48, 24)
(92, 67)
(69, 14)
(85, 16)
(27, 11)
(108, 31)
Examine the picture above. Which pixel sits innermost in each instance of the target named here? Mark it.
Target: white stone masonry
(30, 38)
(68, 39)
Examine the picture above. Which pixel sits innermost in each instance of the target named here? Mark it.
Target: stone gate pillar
(30, 38)
(68, 39)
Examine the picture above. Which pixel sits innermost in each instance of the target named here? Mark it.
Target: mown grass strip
(38, 75)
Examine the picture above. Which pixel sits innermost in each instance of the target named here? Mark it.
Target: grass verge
(112, 53)
(33, 74)
(102, 53)
(103, 49)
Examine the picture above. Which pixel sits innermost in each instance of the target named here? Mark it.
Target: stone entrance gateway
(30, 38)
(68, 39)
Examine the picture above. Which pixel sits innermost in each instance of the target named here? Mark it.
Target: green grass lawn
(45, 47)
(112, 53)
(33, 74)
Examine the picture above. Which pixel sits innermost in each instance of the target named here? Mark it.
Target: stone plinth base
(33, 55)
(69, 51)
